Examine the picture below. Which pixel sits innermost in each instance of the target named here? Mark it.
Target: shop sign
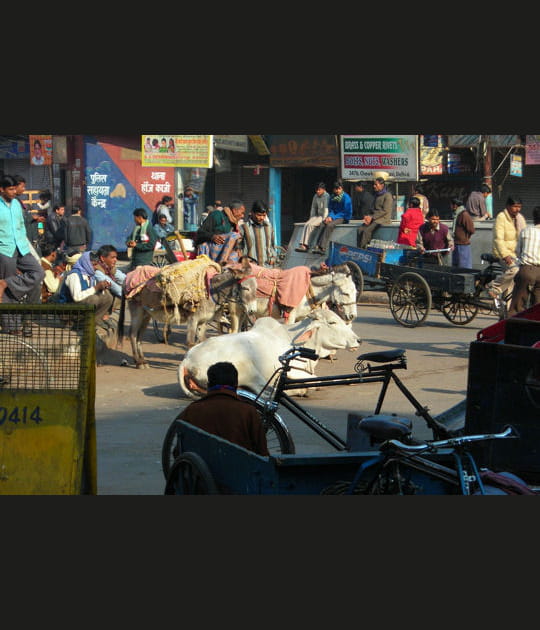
(532, 150)
(232, 143)
(303, 151)
(431, 155)
(195, 151)
(362, 156)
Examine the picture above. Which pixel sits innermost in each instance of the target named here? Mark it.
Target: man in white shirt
(528, 258)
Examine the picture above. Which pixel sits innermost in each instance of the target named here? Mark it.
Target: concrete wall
(346, 234)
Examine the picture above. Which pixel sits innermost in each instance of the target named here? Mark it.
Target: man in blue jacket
(339, 211)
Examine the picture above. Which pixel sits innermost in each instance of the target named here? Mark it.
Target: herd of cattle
(260, 313)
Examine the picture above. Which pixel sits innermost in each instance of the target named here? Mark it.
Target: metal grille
(45, 347)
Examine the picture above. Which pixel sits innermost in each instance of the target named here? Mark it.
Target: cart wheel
(410, 300)
(358, 278)
(170, 449)
(190, 475)
(458, 310)
(278, 437)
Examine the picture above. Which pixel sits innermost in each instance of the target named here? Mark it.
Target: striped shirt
(528, 246)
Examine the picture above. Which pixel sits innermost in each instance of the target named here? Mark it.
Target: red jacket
(411, 220)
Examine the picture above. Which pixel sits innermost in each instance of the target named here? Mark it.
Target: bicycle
(392, 460)
(271, 396)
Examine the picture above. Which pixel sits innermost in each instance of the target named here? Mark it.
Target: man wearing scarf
(106, 269)
(219, 235)
(339, 211)
(462, 229)
(80, 286)
(381, 214)
(258, 235)
(143, 240)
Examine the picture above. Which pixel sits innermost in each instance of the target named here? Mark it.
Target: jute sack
(183, 283)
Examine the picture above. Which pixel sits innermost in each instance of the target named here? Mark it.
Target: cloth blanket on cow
(184, 284)
(140, 277)
(286, 286)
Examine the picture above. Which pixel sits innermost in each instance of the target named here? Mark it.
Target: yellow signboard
(196, 151)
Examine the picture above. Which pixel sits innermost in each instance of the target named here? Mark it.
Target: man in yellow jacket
(508, 225)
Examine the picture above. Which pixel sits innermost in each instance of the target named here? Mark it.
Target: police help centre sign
(362, 156)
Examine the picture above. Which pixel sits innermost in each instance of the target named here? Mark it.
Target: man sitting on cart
(381, 214)
(224, 414)
(432, 237)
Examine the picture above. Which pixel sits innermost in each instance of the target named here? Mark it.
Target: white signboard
(232, 143)
(361, 156)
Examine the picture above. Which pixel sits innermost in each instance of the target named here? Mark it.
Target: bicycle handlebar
(508, 432)
(297, 351)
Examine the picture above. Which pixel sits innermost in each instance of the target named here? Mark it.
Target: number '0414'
(20, 414)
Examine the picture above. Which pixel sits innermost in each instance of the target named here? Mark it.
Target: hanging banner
(361, 156)
(516, 165)
(431, 155)
(194, 151)
(41, 148)
(532, 150)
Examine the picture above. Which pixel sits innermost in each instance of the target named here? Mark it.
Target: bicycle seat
(385, 356)
(490, 258)
(384, 427)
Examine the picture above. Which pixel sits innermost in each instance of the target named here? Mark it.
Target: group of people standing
(29, 269)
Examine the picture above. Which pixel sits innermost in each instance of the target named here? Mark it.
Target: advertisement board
(40, 150)
(196, 151)
(362, 156)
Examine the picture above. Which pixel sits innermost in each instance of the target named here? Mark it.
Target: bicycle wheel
(190, 474)
(170, 449)
(410, 300)
(358, 278)
(459, 310)
(278, 437)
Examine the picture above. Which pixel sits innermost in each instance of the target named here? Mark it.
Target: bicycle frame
(364, 374)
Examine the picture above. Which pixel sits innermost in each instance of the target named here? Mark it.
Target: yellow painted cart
(47, 398)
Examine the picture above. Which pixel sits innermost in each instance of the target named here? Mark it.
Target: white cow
(255, 352)
(332, 286)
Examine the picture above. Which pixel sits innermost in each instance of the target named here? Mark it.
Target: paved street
(135, 407)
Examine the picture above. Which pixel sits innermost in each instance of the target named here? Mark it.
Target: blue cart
(415, 285)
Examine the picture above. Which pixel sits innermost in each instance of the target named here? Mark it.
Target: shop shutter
(526, 187)
(242, 183)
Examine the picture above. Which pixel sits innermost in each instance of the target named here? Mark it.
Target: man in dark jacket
(362, 201)
(462, 229)
(381, 214)
(222, 413)
(143, 240)
(54, 227)
(76, 233)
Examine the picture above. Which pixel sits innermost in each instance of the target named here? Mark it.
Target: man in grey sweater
(380, 215)
(317, 214)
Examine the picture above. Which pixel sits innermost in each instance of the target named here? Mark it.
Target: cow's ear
(307, 334)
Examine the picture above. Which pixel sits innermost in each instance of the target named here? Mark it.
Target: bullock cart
(415, 286)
